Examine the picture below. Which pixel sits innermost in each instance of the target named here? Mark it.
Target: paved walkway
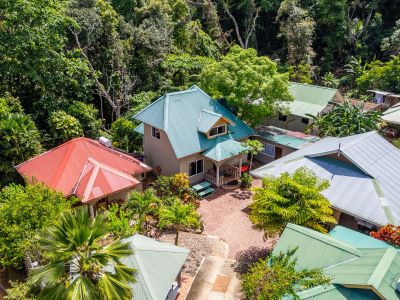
(225, 215)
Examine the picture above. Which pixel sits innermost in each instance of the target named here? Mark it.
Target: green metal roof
(158, 265)
(392, 115)
(178, 114)
(139, 129)
(337, 292)
(374, 269)
(223, 149)
(356, 239)
(207, 120)
(316, 250)
(287, 140)
(309, 99)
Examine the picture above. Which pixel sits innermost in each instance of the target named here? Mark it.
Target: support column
(217, 175)
(240, 166)
(91, 211)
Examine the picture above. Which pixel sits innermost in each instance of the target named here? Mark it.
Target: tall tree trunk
(251, 161)
(177, 237)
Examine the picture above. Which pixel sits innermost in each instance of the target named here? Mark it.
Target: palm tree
(140, 205)
(253, 147)
(179, 216)
(78, 267)
(344, 120)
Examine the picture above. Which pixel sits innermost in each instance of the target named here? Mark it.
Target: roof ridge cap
(166, 113)
(151, 104)
(385, 262)
(314, 85)
(145, 276)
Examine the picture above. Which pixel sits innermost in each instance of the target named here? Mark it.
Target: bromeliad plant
(78, 267)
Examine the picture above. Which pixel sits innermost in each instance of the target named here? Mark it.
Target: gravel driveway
(225, 216)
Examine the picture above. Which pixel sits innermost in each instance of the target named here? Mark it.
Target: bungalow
(158, 266)
(308, 99)
(363, 174)
(188, 132)
(280, 142)
(92, 171)
(359, 267)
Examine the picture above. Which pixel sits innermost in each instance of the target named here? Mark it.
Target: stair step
(201, 186)
(206, 192)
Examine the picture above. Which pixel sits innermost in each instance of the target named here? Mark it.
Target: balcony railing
(227, 174)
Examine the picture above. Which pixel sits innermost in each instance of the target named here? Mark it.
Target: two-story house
(188, 132)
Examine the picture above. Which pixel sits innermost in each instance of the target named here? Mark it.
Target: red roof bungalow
(87, 169)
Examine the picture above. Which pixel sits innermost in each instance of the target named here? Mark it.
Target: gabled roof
(355, 273)
(365, 186)
(158, 265)
(180, 116)
(223, 149)
(309, 99)
(98, 180)
(392, 115)
(85, 168)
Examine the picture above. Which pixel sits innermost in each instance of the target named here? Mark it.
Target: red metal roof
(85, 168)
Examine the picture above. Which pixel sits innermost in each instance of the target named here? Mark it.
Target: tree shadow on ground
(245, 258)
(241, 194)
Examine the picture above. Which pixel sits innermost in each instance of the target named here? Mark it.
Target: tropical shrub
(87, 115)
(277, 276)
(23, 212)
(142, 207)
(176, 186)
(344, 120)
(63, 127)
(124, 137)
(253, 147)
(179, 217)
(388, 233)
(118, 222)
(246, 180)
(76, 266)
(246, 258)
(292, 198)
(19, 290)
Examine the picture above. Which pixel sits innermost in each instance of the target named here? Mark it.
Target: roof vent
(105, 142)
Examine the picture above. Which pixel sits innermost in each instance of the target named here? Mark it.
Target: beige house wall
(267, 159)
(159, 152)
(184, 167)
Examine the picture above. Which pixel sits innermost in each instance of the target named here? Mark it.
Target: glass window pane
(199, 166)
(221, 129)
(192, 168)
(213, 131)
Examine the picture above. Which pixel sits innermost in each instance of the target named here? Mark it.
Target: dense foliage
(292, 198)
(344, 120)
(75, 262)
(24, 211)
(277, 276)
(389, 233)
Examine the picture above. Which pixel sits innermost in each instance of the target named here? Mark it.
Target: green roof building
(308, 99)
(157, 264)
(188, 132)
(368, 272)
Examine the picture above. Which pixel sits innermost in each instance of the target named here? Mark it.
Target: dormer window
(219, 130)
(155, 132)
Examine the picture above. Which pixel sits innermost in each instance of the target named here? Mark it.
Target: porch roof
(223, 149)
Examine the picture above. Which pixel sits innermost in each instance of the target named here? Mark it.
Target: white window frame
(217, 127)
(195, 161)
(265, 152)
(154, 131)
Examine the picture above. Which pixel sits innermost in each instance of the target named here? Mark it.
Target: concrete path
(215, 280)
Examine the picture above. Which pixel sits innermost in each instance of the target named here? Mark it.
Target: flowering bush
(389, 233)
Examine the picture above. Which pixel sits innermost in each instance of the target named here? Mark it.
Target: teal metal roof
(207, 120)
(374, 269)
(158, 265)
(356, 239)
(337, 292)
(286, 140)
(309, 99)
(223, 149)
(316, 250)
(139, 129)
(392, 115)
(178, 114)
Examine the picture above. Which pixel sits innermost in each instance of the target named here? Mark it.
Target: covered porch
(227, 157)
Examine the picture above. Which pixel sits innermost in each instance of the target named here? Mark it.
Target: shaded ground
(225, 215)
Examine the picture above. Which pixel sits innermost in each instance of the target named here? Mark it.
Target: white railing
(231, 170)
(230, 173)
(213, 179)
